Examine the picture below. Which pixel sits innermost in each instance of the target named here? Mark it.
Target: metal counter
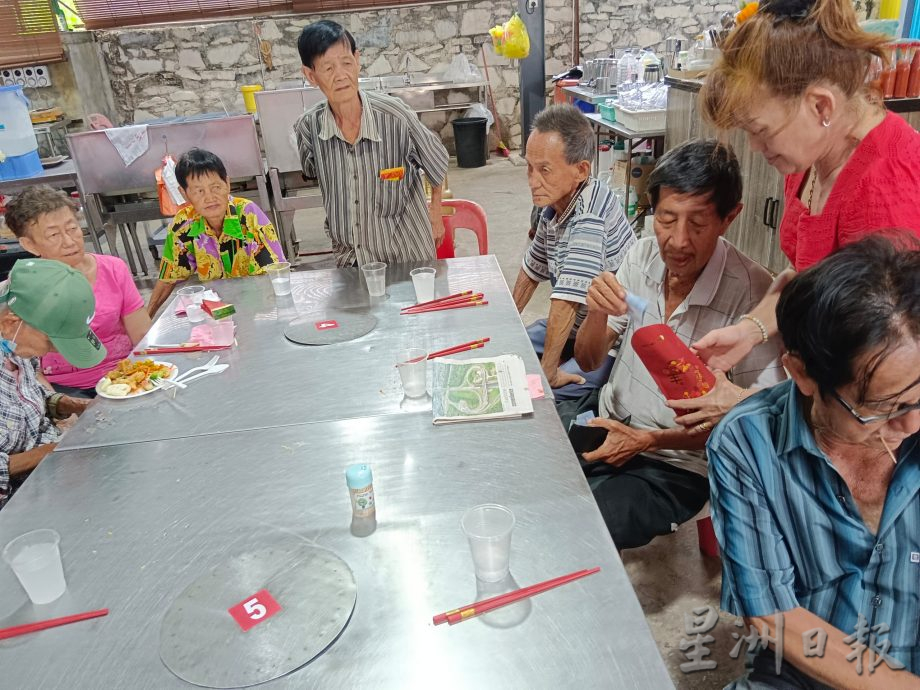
(63, 176)
(140, 521)
(278, 113)
(103, 175)
(283, 380)
(588, 95)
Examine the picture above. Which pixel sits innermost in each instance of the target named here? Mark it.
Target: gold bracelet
(757, 322)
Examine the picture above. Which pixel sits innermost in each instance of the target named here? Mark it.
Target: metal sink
(398, 81)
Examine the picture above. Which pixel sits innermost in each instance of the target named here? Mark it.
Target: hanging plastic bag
(168, 192)
(517, 40)
(498, 38)
(461, 70)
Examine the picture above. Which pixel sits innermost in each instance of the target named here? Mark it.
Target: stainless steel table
(139, 523)
(273, 382)
(63, 176)
(161, 492)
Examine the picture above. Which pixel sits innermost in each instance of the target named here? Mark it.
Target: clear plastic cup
(488, 528)
(191, 294)
(413, 367)
(222, 331)
(35, 557)
(375, 274)
(195, 313)
(280, 276)
(423, 282)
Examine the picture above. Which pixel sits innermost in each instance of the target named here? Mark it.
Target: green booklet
(469, 390)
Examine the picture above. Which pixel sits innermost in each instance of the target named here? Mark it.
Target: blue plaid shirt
(24, 422)
(791, 533)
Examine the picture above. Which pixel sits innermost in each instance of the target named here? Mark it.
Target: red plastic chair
(469, 215)
(709, 545)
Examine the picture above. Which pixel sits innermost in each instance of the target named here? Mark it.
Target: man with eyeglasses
(816, 481)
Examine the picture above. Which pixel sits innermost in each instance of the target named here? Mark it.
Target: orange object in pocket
(393, 174)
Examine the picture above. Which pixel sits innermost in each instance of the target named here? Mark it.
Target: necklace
(811, 191)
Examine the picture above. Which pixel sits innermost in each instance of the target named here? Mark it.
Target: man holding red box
(649, 474)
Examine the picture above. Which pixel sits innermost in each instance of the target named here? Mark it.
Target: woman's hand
(700, 415)
(723, 348)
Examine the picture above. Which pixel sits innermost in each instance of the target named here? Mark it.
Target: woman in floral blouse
(216, 235)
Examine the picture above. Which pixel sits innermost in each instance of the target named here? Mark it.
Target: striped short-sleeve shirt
(372, 190)
(591, 236)
(730, 285)
(791, 534)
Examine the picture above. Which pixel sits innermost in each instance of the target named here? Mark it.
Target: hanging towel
(130, 142)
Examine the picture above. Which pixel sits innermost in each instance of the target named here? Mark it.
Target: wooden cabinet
(756, 231)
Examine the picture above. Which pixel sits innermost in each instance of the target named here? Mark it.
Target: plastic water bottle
(18, 146)
(360, 481)
(626, 68)
(631, 203)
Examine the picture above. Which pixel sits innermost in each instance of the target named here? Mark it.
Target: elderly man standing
(581, 232)
(649, 475)
(367, 150)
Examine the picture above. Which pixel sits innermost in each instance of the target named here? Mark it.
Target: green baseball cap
(57, 300)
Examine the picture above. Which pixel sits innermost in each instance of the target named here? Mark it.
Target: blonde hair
(787, 46)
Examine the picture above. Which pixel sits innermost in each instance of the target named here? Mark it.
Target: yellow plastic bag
(498, 39)
(517, 40)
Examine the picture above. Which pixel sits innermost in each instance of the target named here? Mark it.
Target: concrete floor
(670, 575)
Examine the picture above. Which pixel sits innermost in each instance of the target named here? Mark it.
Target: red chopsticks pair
(457, 301)
(472, 345)
(181, 348)
(478, 608)
(17, 630)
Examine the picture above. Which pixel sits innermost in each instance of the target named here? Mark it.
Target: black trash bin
(470, 138)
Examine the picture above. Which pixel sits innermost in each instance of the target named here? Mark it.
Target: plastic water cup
(280, 276)
(35, 557)
(222, 331)
(191, 294)
(488, 528)
(413, 366)
(194, 313)
(375, 274)
(423, 282)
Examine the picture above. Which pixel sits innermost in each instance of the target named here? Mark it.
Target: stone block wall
(170, 70)
(624, 23)
(185, 69)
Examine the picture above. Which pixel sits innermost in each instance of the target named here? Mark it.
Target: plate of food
(133, 378)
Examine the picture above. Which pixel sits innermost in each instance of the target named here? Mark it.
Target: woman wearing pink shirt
(45, 221)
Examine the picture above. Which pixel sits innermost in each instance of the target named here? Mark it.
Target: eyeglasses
(899, 412)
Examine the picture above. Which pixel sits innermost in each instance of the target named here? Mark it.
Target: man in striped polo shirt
(367, 150)
(581, 232)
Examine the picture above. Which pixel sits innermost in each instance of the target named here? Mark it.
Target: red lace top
(878, 189)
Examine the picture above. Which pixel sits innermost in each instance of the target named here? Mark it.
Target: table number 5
(254, 609)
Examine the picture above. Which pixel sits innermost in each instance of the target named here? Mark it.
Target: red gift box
(678, 372)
